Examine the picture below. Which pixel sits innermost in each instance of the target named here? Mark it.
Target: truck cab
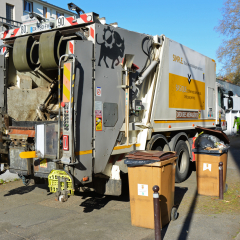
(221, 122)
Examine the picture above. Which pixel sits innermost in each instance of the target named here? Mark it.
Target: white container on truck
(81, 94)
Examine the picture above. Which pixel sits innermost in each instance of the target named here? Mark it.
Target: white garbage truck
(78, 94)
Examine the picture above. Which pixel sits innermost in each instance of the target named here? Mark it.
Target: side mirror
(230, 93)
(230, 103)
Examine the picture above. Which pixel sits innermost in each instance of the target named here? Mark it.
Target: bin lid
(219, 134)
(149, 163)
(217, 152)
(150, 155)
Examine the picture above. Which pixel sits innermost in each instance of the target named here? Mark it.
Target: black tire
(183, 162)
(174, 214)
(158, 142)
(159, 148)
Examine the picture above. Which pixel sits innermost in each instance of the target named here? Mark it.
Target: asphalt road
(32, 213)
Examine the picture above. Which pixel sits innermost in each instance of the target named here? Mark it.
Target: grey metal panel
(110, 114)
(111, 45)
(83, 100)
(42, 167)
(17, 164)
(161, 107)
(1, 81)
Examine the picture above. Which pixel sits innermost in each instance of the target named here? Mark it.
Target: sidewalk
(32, 213)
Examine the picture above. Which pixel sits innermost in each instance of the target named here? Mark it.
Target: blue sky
(188, 22)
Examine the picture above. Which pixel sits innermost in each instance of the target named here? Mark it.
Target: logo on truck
(186, 79)
(112, 47)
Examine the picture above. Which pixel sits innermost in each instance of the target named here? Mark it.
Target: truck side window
(220, 98)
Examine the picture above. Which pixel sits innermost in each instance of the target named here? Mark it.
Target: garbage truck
(78, 94)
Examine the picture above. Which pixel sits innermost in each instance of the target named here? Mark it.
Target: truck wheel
(159, 148)
(183, 161)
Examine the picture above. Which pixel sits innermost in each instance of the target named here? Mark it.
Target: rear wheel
(159, 148)
(158, 142)
(183, 162)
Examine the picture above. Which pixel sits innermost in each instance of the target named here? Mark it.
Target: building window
(51, 13)
(59, 14)
(9, 12)
(28, 6)
(45, 12)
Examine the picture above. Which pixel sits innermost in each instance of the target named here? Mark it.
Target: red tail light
(65, 143)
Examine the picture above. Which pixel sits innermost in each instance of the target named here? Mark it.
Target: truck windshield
(220, 98)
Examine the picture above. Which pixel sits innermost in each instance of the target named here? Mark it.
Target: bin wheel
(174, 214)
(183, 161)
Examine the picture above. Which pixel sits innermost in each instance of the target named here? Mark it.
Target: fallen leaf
(227, 201)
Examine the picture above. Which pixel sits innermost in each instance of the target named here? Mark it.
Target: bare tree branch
(229, 51)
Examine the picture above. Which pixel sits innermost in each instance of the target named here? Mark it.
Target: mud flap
(108, 186)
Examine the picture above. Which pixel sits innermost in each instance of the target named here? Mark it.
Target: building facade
(15, 12)
(11, 11)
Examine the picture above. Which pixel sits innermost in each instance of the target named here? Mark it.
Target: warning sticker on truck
(98, 123)
(186, 77)
(43, 163)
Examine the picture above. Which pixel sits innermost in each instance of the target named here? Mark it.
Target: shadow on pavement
(178, 197)
(187, 222)
(179, 194)
(25, 189)
(96, 201)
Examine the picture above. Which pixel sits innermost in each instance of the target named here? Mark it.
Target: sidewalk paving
(32, 213)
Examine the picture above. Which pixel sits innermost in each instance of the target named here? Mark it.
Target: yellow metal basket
(53, 181)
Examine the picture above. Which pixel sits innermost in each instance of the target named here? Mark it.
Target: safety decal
(72, 21)
(98, 91)
(71, 47)
(98, 105)
(143, 190)
(98, 123)
(92, 32)
(199, 114)
(43, 163)
(66, 82)
(98, 115)
(207, 166)
(86, 18)
(210, 112)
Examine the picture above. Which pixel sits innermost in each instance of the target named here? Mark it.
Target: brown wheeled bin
(207, 170)
(207, 161)
(143, 174)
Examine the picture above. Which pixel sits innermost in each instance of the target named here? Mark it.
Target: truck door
(83, 110)
(220, 115)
